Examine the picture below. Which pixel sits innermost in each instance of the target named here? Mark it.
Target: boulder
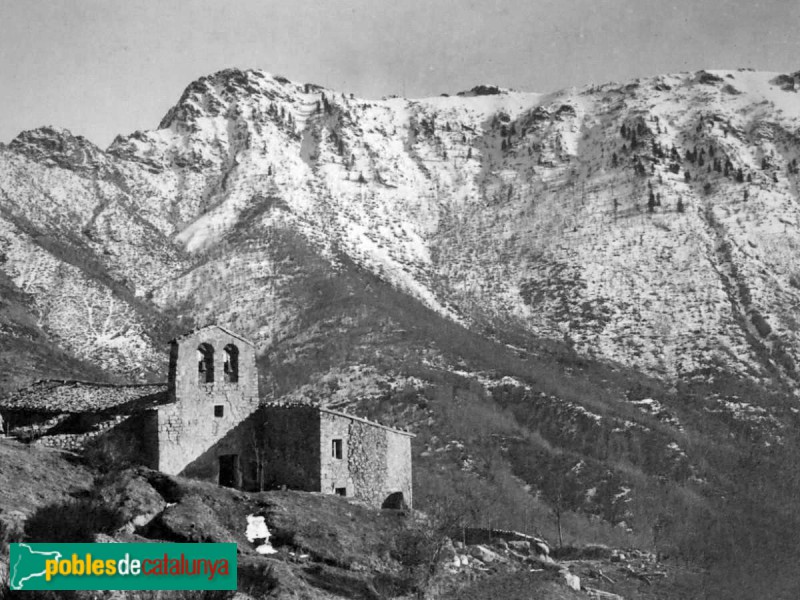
(191, 520)
(131, 494)
(572, 581)
(543, 562)
(521, 546)
(448, 551)
(601, 595)
(541, 548)
(483, 554)
(500, 543)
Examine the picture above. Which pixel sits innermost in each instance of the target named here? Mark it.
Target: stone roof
(337, 413)
(59, 397)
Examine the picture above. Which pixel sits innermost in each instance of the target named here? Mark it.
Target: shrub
(419, 550)
(75, 521)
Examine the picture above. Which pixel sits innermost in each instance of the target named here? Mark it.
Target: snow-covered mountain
(583, 300)
(505, 211)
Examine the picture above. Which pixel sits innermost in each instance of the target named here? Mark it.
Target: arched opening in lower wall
(395, 501)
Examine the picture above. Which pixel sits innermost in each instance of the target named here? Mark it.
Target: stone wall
(133, 439)
(189, 429)
(367, 462)
(30, 425)
(398, 466)
(290, 438)
(376, 460)
(82, 430)
(479, 535)
(335, 472)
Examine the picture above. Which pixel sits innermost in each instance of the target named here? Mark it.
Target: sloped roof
(336, 413)
(194, 332)
(59, 397)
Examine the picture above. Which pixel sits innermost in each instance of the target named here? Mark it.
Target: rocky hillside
(581, 302)
(311, 546)
(651, 223)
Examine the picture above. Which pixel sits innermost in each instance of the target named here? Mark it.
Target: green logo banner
(122, 566)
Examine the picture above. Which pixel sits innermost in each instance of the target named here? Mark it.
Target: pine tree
(654, 148)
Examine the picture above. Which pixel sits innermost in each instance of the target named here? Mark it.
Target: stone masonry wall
(334, 472)
(188, 429)
(398, 466)
(367, 462)
(291, 447)
(376, 461)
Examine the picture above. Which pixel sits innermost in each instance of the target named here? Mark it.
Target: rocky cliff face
(651, 223)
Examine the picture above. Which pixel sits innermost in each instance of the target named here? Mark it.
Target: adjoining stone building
(71, 414)
(207, 422)
(316, 449)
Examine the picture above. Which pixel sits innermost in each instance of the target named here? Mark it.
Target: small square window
(336, 449)
(219, 410)
(341, 491)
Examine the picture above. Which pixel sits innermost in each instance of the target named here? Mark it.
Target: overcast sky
(102, 67)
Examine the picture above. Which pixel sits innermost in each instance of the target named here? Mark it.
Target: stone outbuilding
(316, 449)
(71, 414)
(208, 422)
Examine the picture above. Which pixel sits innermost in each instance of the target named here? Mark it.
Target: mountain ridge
(518, 176)
(581, 302)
